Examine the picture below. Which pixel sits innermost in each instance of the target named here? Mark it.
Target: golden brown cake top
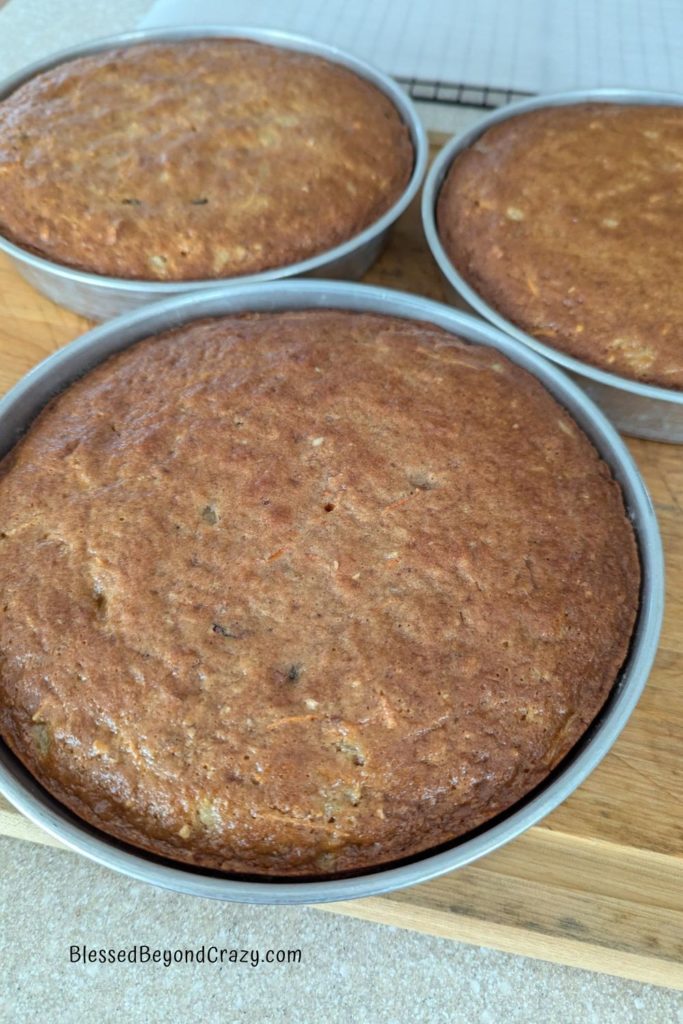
(568, 221)
(199, 159)
(306, 592)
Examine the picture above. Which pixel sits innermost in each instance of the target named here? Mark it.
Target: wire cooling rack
(460, 94)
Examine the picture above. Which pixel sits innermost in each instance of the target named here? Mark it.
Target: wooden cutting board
(599, 884)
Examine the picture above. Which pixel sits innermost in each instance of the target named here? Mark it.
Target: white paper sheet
(520, 45)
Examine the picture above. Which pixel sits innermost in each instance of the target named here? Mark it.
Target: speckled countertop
(350, 971)
(51, 900)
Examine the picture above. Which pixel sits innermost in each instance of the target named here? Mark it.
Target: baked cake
(201, 159)
(303, 593)
(567, 221)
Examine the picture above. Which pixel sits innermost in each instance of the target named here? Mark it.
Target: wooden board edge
(517, 941)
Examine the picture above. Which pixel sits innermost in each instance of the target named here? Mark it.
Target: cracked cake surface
(195, 160)
(567, 221)
(308, 592)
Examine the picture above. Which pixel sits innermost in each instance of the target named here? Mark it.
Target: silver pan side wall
(99, 297)
(20, 406)
(642, 410)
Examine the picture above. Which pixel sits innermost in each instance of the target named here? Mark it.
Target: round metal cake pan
(643, 410)
(20, 406)
(99, 297)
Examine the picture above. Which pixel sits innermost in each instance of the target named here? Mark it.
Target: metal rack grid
(460, 93)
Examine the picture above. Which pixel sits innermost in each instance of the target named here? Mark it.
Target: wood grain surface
(599, 884)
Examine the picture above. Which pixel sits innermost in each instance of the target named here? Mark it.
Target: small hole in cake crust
(100, 599)
(224, 631)
(329, 507)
